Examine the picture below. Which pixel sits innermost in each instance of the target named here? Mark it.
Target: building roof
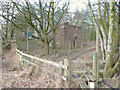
(69, 25)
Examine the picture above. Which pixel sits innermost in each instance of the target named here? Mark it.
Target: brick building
(67, 34)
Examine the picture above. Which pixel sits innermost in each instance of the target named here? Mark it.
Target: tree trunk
(104, 18)
(101, 27)
(110, 37)
(119, 34)
(46, 45)
(53, 29)
(102, 47)
(117, 51)
(54, 45)
(109, 54)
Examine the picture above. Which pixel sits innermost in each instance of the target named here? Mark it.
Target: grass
(64, 50)
(34, 45)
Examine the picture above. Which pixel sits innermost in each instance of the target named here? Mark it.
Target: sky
(77, 4)
(74, 4)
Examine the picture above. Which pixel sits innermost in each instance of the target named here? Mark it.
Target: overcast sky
(74, 4)
(77, 4)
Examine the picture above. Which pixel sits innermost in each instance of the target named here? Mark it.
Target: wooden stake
(81, 45)
(21, 60)
(69, 46)
(27, 42)
(95, 69)
(61, 72)
(67, 73)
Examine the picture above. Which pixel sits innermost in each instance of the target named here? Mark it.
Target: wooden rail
(64, 68)
(83, 84)
(91, 80)
(41, 60)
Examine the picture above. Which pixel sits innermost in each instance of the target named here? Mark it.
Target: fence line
(64, 68)
(42, 60)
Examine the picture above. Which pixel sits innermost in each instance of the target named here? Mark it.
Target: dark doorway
(75, 41)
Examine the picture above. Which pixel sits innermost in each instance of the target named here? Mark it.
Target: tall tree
(109, 53)
(108, 35)
(7, 29)
(41, 17)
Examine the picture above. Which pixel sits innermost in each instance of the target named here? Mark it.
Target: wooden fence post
(95, 69)
(81, 45)
(69, 46)
(67, 73)
(61, 72)
(21, 60)
(35, 68)
(27, 42)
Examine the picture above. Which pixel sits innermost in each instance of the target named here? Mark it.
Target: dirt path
(85, 56)
(79, 54)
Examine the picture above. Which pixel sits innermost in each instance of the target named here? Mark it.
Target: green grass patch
(32, 44)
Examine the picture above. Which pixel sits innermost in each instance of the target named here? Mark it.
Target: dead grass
(10, 60)
(13, 76)
(23, 79)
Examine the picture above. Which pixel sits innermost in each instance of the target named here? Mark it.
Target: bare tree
(108, 35)
(41, 17)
